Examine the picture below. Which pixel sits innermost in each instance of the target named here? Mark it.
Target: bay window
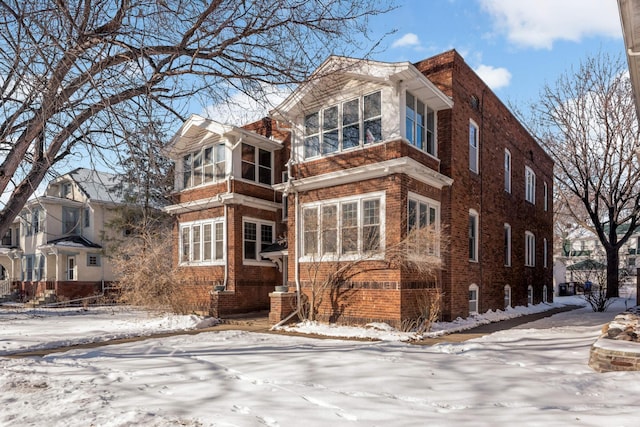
(204, 166)
(420, 124)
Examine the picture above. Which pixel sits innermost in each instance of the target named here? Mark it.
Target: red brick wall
(485, 193)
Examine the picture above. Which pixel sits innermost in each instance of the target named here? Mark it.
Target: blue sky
(515, 45)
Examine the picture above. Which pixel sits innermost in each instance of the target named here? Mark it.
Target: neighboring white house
(581, 245)
(56, 245)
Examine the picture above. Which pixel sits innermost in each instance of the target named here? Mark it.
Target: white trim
(477, 147)
(221, 199)
(258, 222)
(530, 294)
(529, 249)
(473, 287)
(529, 185)
(507, 171)
(403, 165)
(476, 221)
(360, 199)
(507, 235)
(202, 223)
(507, 296)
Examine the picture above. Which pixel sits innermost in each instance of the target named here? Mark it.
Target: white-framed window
(257, 164)
(507, 170)
(257, 235)
(204, 166)
(530, 294)
(86, 217)
(507, 245)
(420, 124)
(344, 126)
(202, 242)
(343, 228)
(544, 252)
(423, 212)
(529, 249)
(507, 296)
(93, 260)
(544, 294)
(529, 185)
(473, 299)
(474, 147)
(473, 235)
(546, 196)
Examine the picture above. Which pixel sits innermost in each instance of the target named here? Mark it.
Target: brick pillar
(282, 305)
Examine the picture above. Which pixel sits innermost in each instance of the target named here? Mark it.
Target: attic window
(65, 190)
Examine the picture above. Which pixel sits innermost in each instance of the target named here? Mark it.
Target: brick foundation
(625, 357)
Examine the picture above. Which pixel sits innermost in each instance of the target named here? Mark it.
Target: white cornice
(403, 165)
(220, 200)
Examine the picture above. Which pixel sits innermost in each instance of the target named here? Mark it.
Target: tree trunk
(613, 265)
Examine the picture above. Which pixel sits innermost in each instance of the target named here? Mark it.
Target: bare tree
(588, 124)
(74, 75)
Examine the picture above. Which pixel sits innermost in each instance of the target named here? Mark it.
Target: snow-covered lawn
(534, 375)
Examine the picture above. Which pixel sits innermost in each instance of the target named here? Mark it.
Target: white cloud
(408, 40)
(539, 23)
(495, 78)
(242, 109)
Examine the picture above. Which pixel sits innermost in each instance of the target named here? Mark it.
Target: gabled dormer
(350, 104)
(207, 152)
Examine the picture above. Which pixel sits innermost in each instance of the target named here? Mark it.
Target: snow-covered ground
(533, 375)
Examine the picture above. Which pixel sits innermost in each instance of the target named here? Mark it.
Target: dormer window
(420, 125)
(344, 126)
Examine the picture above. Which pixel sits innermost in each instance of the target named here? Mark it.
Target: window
(36, 224)
(473, 299)
(344, 126)
(71, 268)
(70, 220)
(473, 147)
(202, 242)
(530, 185)
(65, 190)
(343, 227)
(473, 236)
(544, 253)
(204, 166)
(256, 162)
(257, 236)
(507, 171)
(546, 196)
(507, 245)
(507, 297)
(544, 294)
(87, 217)
(529, 249)
(27, 273)
(7, 239)
(420, 125)
(423, 212)
(530, 295)
(93, 260)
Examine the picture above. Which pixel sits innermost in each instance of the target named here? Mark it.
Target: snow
(535, 374)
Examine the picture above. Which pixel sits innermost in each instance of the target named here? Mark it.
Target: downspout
(291, 187)
(226, 234)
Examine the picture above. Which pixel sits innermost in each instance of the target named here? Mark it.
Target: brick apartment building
(348, 163)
